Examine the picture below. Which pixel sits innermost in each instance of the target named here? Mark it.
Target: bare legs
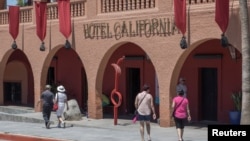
(142, 130)
(148, 130)
(60, 121)
(179, 123)
(180, 133)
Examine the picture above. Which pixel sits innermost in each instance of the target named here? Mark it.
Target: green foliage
(20, 3)
(237, 99)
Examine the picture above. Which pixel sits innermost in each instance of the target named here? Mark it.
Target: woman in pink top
(181, 113)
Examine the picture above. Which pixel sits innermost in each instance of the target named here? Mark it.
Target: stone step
(16, 109)
(19, 114)
(19, 118)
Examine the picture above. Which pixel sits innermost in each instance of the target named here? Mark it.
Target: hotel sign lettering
(148, 28)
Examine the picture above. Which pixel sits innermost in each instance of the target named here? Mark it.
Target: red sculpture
(115, 90)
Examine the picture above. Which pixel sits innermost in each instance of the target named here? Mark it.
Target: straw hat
(61, 88)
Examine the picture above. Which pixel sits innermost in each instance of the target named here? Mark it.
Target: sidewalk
(101, 130)
(96, 130)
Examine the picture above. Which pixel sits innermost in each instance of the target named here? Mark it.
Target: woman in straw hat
(62, 100)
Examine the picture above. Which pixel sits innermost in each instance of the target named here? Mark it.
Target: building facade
(143, 34)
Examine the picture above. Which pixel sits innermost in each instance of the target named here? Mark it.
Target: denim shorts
(144, 117)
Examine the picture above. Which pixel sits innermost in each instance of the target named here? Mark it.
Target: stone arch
(111, 56)
(208, 55)
(180, 62)
(18, 56)
(46, 65)
(71, 82)
(100, 74)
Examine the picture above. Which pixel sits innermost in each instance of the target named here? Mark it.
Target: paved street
(101, 130)
(26, 122)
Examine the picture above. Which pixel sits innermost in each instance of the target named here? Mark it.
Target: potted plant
(235, 114)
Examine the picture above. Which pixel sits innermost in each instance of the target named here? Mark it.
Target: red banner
(14, 21)
(41, 19)
(64, 17)
(180, 15)
(222, 14)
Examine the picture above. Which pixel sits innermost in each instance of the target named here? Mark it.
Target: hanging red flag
(180, 15)
(14, 21)
(41, 19)
(222, 18)
(222, 14)
(64, 17)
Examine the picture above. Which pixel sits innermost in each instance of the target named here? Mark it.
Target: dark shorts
(144, 117)
(180, 123)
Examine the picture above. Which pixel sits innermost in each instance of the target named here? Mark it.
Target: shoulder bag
(55, 106)
(136, 112)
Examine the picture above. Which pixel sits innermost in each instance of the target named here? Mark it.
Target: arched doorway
(66, 68)
(18, 80)
(136, 70)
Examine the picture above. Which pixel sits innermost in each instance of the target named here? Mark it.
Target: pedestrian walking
(182, 86)
(62, 100)
(145, 107)
(47, 98)
(181, 113)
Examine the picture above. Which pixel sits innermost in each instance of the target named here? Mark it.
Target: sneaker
(48, 125)
(58, 126)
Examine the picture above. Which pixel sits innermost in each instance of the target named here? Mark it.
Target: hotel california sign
(148, 28)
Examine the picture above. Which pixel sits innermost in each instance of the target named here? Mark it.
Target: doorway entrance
(208, 93)
(133, 88)
(12, 93)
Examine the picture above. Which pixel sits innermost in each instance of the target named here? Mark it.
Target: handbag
(135, 119)
(173, 113)
(55, 106)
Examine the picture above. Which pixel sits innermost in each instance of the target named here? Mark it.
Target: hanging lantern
(183, 43)
(42, 47)
(14, 45)
(67, 45)
(224, 41)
